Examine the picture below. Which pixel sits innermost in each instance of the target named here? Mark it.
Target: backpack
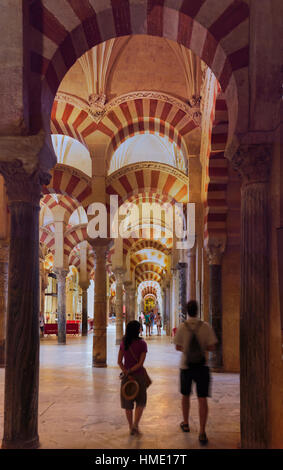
(194, 354)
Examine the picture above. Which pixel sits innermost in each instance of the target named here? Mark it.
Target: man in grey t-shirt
(197, 372)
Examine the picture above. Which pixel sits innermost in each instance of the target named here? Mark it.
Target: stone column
(127, 285)
(167, 326)
(183, 289)
(254, 162)
(132, 303)
(119, 275)
(22, 330)
(44, 284)
(99, 352)
(84, 286)
(215, 302)
(192, 273)
(4, 264)
(61, 275)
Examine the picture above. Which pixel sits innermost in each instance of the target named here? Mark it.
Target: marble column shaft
(253, 163)
(99, 351)
(119, 274)
(192, 273)
(61, 274)
(132, 303)
(84, 288)
(22, 331)
(4, 266)
(183, 289)
(127, 285)
(168, 310)
(215, 303)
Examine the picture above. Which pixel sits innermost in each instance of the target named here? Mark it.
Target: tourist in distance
(158, 324)
(194, 337)
(152, 317)
(131, 357)
(147, 323)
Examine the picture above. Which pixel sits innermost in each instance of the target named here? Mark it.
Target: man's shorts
(200, 375)
(141, 396)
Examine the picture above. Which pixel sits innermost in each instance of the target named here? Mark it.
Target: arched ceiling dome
(71, 152)
(145, 148)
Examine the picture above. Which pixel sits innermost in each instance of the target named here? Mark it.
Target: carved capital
(215, 252)
(253, 162)
(61, 274)
(119, 275)
(100, 247)
(84, 285)
(182, 265)
(128, 286)
(22, 186)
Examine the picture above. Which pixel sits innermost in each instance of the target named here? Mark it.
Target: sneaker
(203, 438)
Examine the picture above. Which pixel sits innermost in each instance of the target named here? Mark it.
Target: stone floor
(79, 406)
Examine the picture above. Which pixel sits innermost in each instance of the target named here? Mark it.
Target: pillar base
(19, 444)
(99, 365)
(216, 369)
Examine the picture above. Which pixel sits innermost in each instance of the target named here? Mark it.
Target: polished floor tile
(79, 405)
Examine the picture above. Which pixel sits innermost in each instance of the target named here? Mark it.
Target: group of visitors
(149, 319)
(193, 338)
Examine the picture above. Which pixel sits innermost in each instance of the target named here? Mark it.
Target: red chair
(51, 329)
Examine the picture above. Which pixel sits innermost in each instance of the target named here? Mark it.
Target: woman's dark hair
(132, 333)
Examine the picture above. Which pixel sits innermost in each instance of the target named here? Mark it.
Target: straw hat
(130, 389)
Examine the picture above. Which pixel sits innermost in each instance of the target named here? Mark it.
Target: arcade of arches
(145, 103)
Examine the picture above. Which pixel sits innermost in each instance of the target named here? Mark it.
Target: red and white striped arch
(148, 180)
(73, 237)
(217, 169)
(137, 258)
(148, 272)
(54, 200)
(138, 245)
(215, 30)
(125, 117)
(47, 237)
(75, 261)
(69, 182)
(68, 119)
(149, 290)
(164, 116)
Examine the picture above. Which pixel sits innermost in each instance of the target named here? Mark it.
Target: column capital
(215, 252)
(84, 285)
(182, 265)
(100, 245)
(253, 162)
(22, 186)
(119, 274)
(61, 274)
(127, 284)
